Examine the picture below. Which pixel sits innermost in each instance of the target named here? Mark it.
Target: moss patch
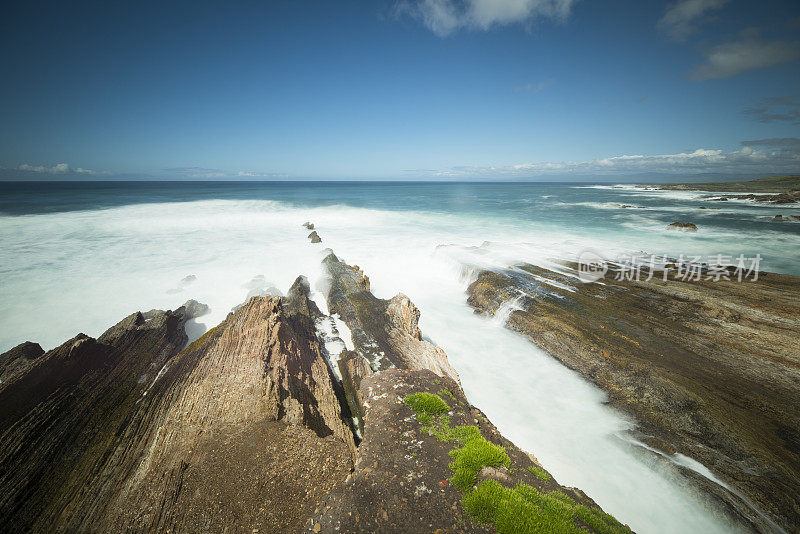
(524, 509)
(447, 393)
(519, 510)
(539, 473)
(473, 456)
(426, 406)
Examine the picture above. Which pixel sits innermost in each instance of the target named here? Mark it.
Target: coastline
(708, 370)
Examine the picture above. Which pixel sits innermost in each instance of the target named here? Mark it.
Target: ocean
(78, 257)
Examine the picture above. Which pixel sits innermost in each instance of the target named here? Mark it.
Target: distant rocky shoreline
(777, 190)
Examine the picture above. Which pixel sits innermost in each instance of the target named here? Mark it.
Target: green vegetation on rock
(471, 457)
(447, 393)
(538, 472)
(426, 406)
(519, 510)
(524, 509)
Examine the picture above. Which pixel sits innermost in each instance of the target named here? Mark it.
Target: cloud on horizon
(682, 19)
(444, 17)
(58, 168)
(749, 53)
(780, 155)
(207, 173)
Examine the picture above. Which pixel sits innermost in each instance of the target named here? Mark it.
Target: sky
(399, 90)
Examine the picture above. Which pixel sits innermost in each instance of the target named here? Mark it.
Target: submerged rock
(308, 226)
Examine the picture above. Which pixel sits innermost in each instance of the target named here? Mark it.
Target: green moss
(426, 406)
(447, 393)
(539, 473)
(473, 456)
(523, 510)
(599, 521)
(519, 510)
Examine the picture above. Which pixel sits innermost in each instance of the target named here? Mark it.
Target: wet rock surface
(709, 369)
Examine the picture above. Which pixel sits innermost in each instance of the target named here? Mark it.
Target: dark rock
(194, 309)
(308, 226)
(18, 359)
(314, 237)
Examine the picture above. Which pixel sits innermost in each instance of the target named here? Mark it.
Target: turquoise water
(587, 210)
(79, 257)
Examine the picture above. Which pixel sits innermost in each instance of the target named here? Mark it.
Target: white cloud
(730, 59)
(443, 17)
(757, 156)
(682, 18)
(58, 168)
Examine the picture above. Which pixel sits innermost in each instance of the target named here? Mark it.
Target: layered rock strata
(710, 369)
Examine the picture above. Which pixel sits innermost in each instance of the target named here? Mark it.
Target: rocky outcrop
(248, 429)
(385, 332)
(404, 479)
(710, 369)
(354, 368)
(789, 197)
(62, 416)
(682, 226)
(18, 359)
(258, 378)
(314, 237)
(246, 426)
(771, 184)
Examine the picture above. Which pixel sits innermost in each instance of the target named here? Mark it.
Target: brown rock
(385, 332)
(709, 368)
(683, 226)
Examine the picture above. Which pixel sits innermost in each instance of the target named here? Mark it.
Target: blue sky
(418, 89)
